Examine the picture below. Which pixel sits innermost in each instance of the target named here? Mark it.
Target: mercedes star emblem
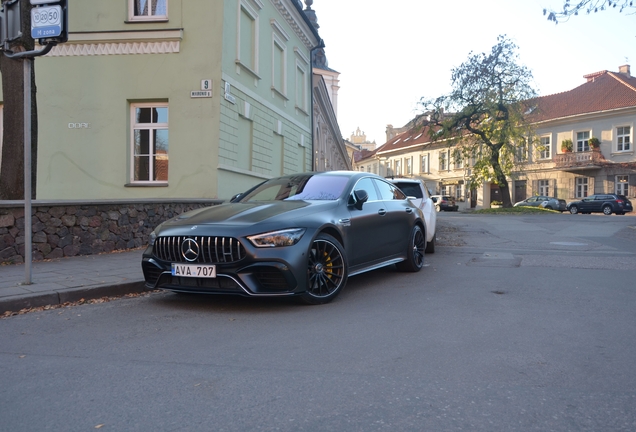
(190, 249)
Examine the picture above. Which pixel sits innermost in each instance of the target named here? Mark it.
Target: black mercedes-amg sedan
(298, 235)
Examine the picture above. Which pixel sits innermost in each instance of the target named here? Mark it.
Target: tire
(415, 251)
(607, 210)
(437, 209)
(430, 246)
(549, 207)
(326, 270)
(574, 209)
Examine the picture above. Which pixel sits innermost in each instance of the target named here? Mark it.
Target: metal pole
(28, 230)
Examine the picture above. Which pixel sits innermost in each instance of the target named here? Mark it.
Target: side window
(148, 10)
(366, 184)
(149, 162)
(388, 191)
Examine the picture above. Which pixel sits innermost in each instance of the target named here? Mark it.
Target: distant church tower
(360, 139)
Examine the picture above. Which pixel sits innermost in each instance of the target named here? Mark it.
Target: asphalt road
(517, 323)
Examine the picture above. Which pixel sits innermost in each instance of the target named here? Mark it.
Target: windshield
(299, 187)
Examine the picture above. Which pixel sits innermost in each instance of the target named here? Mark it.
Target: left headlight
(288, 237)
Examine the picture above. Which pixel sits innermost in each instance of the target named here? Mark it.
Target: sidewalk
(70, 279)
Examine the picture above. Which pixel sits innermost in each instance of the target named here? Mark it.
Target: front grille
(214, 250)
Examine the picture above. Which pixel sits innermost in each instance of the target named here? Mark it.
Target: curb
(27, 301)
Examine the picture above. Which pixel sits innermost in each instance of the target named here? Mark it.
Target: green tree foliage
(484, 115)
(588, 6)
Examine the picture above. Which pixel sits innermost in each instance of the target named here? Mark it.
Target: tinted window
(366, 184)
(388, 191)
(410, 189)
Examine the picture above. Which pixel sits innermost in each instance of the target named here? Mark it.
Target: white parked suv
(418, 194)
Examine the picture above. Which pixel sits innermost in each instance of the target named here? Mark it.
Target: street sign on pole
(46, 22)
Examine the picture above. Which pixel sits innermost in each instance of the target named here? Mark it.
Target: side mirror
(434, 199)
(361, 196)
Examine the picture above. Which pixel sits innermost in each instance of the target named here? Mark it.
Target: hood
(249, 213)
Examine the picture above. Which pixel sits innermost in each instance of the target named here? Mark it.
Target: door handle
(382, 212)
(409, 210)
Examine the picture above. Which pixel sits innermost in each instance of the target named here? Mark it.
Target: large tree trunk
(12, 167)
(502, 181)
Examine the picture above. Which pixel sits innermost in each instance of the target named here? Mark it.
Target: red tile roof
(603, 91)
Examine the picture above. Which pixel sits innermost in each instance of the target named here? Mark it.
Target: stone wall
(65, 229)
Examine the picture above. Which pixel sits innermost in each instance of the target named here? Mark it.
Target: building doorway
(520, 190)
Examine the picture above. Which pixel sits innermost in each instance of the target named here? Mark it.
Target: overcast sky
(391, 54)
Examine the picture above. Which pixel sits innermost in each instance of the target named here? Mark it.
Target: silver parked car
(550, 203)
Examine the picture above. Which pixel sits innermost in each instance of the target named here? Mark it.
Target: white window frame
(582, 143)
(443, 161)
(582, 185)
(620, 139)
(544, 187)
(621, 185)
(279, 42)
(424, 164)
(302, 82)
(409, 166)
(398, 167)
(252, 67)
(149, 16)
(145, 126)
(546, 147)
(459, 191)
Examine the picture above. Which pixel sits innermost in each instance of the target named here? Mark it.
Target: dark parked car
(551, 203)
(302, 234)
(601, 203)
(444, 203)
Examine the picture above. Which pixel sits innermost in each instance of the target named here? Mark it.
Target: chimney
(624, 70)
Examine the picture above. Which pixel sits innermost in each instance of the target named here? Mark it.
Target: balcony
(579, 160)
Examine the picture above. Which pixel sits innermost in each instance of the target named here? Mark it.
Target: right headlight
(287, 237)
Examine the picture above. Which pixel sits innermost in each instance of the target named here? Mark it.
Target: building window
(521, 152)
(544, 187)
(458, 160)
(545, 149)
(148, 10)
(398, 167)
(279, 67)
(409, 166)
(425, 166)
(459, 191)
(302, 85)
(582, 141)
(247, 44)
(581, 187)
(150, 143)
(622, 185)
(443, 163)
(623, 138)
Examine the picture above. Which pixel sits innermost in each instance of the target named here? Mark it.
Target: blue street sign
(46, 32)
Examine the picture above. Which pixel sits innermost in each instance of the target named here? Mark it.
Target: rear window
(410, 189)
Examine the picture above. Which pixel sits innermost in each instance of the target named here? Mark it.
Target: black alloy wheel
(574, 209)
(326, 270)
(607, 210)
(415, 253)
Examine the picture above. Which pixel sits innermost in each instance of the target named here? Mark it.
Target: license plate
(194, 270)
